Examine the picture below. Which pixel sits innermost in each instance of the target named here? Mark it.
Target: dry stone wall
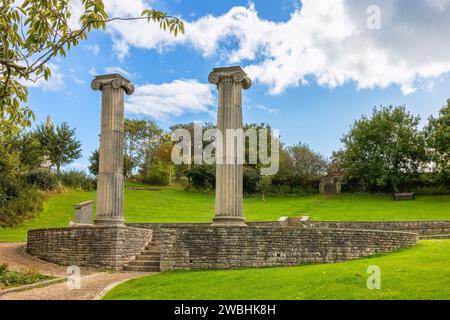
(239, 247)
(423, 228)
(101, 247)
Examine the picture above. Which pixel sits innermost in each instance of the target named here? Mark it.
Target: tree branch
(47, 55)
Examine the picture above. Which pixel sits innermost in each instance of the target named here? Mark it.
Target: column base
(109, 223)
(228, 221)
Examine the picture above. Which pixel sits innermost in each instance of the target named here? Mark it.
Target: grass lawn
(176, 205)
(422, 272)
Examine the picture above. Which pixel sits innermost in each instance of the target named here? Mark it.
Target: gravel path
(93, 282)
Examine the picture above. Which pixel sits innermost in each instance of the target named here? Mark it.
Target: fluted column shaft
(229, 172)
(110, 181)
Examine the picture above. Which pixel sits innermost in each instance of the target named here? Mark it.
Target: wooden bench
(404, 196)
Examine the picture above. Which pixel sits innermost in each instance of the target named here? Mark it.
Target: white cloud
(93, 48)
(77, 80)
(273, 111)
(55, 82)
(440, 5)
(76, 10)
(162, 101)
(118, 70)
(323, 41)
(93, 72)
(121, 49)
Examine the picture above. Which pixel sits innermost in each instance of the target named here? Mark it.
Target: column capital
(230, 73)
(112, 80)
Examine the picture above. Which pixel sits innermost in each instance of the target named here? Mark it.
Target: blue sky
(315, 67)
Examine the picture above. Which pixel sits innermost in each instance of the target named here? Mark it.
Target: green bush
(158, 175)
(155, 180)
(431, 190)
(3, 267)
(16, 208)
(251, 178)
(202, 177)
(10, 279)
(78, 180)
(42, 178)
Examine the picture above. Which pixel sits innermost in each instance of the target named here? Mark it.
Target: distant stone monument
(229, 182)
(110, 182)
(330, 184)
(46, 162)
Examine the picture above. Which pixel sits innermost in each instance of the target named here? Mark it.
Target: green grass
(421, 272)
(176, 205)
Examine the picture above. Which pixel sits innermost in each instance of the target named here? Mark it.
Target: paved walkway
(92, 282)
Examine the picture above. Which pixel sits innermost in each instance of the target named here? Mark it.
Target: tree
(18, 199)
(437, 134)
(31, 153)
(250, 179)
(142, 138)
(36, 31)
(59, 143)
(307, 165)
(264, 185)
(94, 162)
(385, 151)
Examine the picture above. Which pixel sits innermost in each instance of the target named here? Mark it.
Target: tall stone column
(110, 182)
(230, 81)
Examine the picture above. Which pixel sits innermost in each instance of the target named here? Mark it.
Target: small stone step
(144, 263)
(148, 258)
(150, 252)
(141, 268)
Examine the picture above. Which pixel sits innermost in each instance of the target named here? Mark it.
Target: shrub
(159, 174)
(16, 208)
(431, 190)
(42, 178)
(3, 267)
(251, 179)
(155, 179)
(15, 279)
(78, 180)
(202, 177)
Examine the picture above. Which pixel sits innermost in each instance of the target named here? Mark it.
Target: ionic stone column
(110, 182)
(230, 81)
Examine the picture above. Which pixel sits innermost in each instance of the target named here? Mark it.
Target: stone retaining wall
(204, 247)
(421, 227)
(102, 247)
